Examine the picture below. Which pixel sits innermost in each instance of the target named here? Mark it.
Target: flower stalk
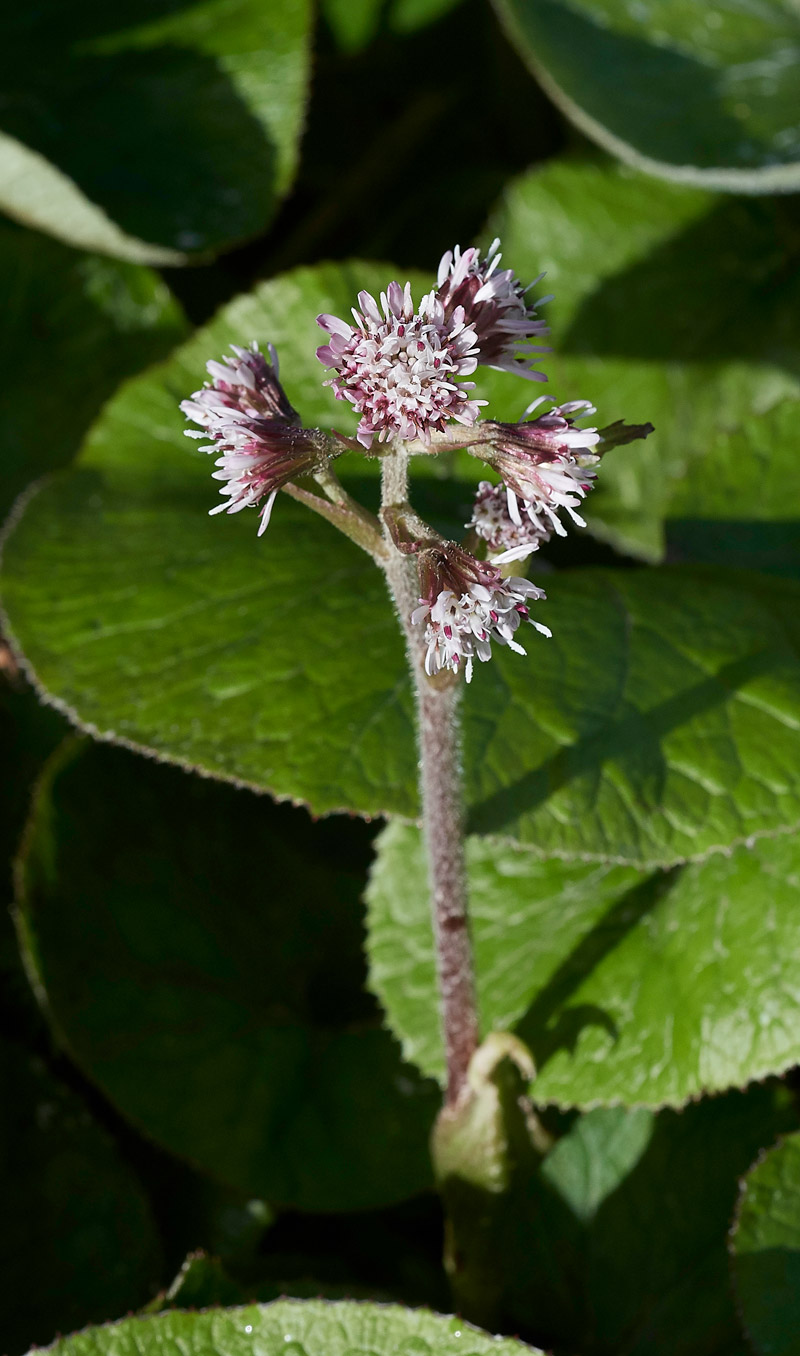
(443, 820)
(441, 795)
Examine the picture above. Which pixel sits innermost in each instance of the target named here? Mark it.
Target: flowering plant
(403, 371)
(404, 874)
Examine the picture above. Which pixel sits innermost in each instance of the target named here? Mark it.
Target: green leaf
(78, 1242)
(618, 1243)
(671, 306)
(706, 96)
(76, 326)
(291, 1328)
(155, 132)
(765, 1246)
(626, 987)
(354, 23)
(155, 505)
(656, 726)
(199, 952)
(152, 624)
(353, 739)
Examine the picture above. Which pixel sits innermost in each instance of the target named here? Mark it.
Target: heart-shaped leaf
(627, 987)
(191, 637)
(200, 955)
(765, 1246)
(706, 96)
(291, 1328)
(148, 131)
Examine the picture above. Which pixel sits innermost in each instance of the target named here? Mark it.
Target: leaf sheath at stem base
(484, 1148)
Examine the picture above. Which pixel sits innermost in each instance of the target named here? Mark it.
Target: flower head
(465, 605)
(494, 306)
(246, 382)
(400, 368)
(245, 413)
(547, 463)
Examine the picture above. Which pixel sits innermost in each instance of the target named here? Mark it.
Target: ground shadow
(606, 934)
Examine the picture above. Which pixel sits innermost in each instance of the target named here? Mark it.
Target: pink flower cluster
(547, 465)
(494, 301)
(406, 371)
(465, 605)
(245, 413)
(402, 369)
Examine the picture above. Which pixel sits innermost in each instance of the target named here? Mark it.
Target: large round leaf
(153, 624)
(75, 325)
(199, 951)
(766, 1250)
(78, 1241)
(671, 306)
(291, 1328)
(627, 988)
(703, 95)
(153, 129)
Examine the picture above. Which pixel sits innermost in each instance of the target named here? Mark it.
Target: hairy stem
(442, 802)
(443, 819)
